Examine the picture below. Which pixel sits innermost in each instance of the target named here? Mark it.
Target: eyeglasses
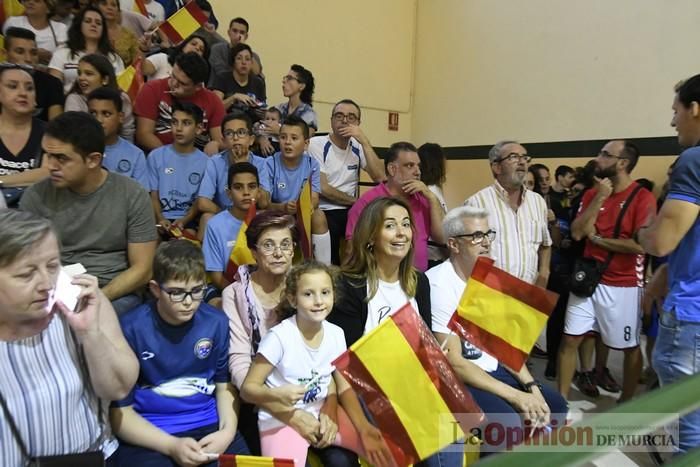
(513, 156)
(269, 247)
(607, 155)
(478, 237)
(179, 295)
(350, 118)
(241, 133)
(290, 78)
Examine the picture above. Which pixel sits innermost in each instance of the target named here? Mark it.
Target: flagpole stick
(444, 343)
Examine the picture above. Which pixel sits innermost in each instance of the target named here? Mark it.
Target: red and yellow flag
(140, 7)
(304, 211)
(178, 234)
(240, 254)
(419, 420)
(131, 79)
(10, 8)
(232, 460)
(183, 22)
(502, 314)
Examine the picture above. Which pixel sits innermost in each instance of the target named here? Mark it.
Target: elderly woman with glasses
(249, 303)
(298, 87)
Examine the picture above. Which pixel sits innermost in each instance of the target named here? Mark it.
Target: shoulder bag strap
(13, 428)
(618, 223)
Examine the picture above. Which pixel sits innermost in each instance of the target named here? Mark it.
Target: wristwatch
(528, 386)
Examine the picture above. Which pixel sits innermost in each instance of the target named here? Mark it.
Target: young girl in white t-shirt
(292, 375)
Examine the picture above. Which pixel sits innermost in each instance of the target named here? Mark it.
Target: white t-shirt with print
(389, 299)
(446, 289)
(297, 363)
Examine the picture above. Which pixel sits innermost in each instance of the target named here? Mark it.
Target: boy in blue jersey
(237, 130)
(175, 171)
(222, 229)
(183, 408)
(287, 171)
(120, 156)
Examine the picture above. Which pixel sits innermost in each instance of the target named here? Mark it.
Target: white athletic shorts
(614, 312)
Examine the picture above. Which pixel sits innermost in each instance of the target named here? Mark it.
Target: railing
(676, 399)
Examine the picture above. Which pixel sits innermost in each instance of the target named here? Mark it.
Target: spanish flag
(178, 234)
(502, 314)
(183, 22)
(232, 460)
(131, 79)
(304, 211)
(240, 254)
(10, 8)
(409, 388)
(140, 7)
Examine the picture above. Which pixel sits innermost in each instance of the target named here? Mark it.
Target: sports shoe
(585, 384)
(605, 380)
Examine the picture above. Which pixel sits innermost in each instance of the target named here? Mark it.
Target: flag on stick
(183, 22)
(417, 420)
(240, 254)
(232, 460)
(131, 79)
(502, 314)
(304, 211)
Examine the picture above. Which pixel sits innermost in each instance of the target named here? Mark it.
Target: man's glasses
(350, 118)
(269, 247)
(478, 237)
(241, 133)
(514, 157)
(179, 295)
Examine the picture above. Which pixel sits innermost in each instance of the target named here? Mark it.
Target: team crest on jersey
(169, 171)
(195, 178)
(124, 166)
(281, 185)
(202, 348)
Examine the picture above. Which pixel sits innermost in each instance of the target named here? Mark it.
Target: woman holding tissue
(57, 363)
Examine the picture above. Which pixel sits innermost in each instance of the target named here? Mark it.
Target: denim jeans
(676, 355)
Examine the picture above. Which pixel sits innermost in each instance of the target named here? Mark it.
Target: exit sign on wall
(393, 121)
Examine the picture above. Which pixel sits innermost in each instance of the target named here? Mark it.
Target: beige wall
(361, 50)
(549, 70)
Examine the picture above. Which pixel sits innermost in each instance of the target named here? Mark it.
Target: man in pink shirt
(402, 166)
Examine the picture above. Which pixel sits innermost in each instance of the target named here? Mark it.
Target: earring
(370, 247)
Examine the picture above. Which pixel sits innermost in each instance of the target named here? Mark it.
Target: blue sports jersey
(179, 366)
(176, 178)
(126, 159)
(215, 181)
(285, 184)
(684, 261)
(219, 238)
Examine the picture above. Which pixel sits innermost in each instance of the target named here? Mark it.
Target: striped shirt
(519, 233)
(41, 381)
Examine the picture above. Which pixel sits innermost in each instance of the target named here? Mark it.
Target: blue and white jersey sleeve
(685, 178)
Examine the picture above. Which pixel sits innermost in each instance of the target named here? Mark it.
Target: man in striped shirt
(519, 216)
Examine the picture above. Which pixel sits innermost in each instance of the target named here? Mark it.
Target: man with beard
(519, 216)
(614, 308)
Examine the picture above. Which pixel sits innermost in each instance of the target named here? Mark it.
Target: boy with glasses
(183, 407)
(342, 154)
(212, 197)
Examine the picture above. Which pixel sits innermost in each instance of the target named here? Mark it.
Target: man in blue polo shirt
(676, 232)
